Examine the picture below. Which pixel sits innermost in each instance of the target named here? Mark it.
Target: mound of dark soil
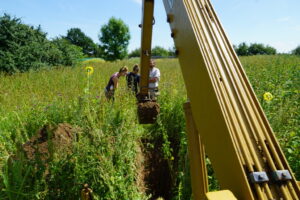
(48, 140)
(147, 112)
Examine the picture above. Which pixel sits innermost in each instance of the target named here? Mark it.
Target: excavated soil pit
(155, 173)
(147, 112)
(48, 140)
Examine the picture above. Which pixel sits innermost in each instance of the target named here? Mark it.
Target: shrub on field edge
(296, 51)
(254, 49)
(24, 47)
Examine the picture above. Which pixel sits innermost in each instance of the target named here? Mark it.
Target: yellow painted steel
(198, 170)
(147, 25)
(235, 132)
(220, 195)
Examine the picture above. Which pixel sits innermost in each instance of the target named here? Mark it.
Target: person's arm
(156, 77)
(115, 80)
(153, 80)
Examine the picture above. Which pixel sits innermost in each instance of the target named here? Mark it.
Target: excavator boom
(228, 119)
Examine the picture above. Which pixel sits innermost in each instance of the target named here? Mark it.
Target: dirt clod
(148, 112)
(48, 140)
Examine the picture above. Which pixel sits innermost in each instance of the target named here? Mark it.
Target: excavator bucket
(148, 112)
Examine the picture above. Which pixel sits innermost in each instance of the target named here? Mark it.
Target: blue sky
(273, 22)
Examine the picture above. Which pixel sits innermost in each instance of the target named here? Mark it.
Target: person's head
(123, 71)
(135, 69)
(152, 63)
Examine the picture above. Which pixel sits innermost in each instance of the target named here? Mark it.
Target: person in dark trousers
(133, 79)
(114, 82)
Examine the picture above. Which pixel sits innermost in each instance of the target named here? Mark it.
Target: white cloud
(138, 1)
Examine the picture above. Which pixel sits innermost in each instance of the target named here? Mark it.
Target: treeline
(157, 51)
(244, 49)
(24, 47)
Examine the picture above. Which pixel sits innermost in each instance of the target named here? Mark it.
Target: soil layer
(156, 172)
(147, 112)
(48, 140)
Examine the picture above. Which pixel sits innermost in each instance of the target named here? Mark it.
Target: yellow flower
(89, 70)
(268, 97)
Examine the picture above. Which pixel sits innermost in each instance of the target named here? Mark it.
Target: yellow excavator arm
(228, 124)
(146, 25)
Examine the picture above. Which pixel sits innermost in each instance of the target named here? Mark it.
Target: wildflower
(89, 70)
(268, 97)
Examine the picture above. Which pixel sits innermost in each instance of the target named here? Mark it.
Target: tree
(114, 38)
(159, 52)
(24, 47)
(135, 53)
(69, 53)
(21, 46)
(254, 49)
(296, 51)
(260, 49)
(172, 51)
(242, 49)
(270, 50)
(78, 38)
(156, 52)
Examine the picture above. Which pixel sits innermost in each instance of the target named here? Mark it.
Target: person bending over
(113, 83)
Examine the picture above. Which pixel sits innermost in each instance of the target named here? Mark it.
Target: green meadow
(107, 150)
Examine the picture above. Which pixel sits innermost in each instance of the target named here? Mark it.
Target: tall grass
(279, 75)
(106, 146)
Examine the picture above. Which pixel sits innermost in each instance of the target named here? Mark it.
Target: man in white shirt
(154, 77)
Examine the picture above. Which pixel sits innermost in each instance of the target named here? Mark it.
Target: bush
(242, 49)
(24, 47)
(172, 51)
(260, 49)
(135, 53)
(77, 37)
(156, 52)
(254, 49)
(160, 52)
(69, 54)
(296, 51)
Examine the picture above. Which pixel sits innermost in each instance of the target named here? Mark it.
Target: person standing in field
(154, 77)
(113, 83)
(133, 79)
